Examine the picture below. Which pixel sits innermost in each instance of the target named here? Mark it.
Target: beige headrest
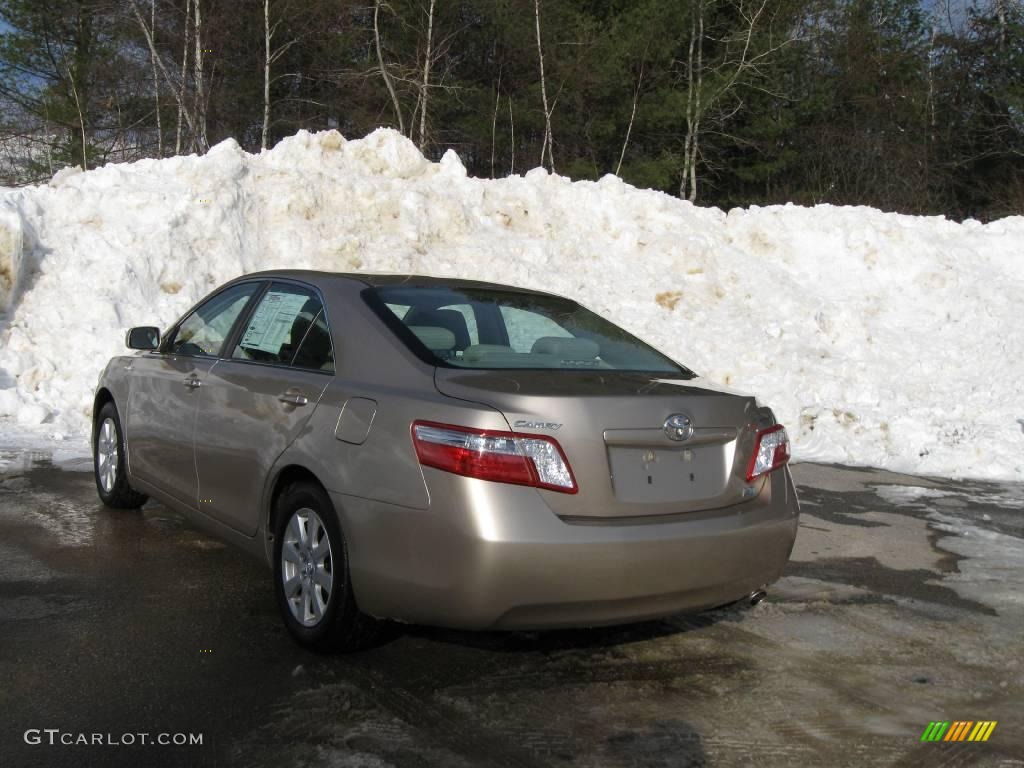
(434, 338)
(566, 348)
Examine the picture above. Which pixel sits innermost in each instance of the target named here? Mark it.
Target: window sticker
(271, 325)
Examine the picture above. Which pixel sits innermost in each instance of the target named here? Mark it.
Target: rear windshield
(491, 329)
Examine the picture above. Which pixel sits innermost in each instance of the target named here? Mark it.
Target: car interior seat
(438, 340)
(451, 319)
(567, 349)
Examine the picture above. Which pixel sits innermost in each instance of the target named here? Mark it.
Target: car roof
(379, 280)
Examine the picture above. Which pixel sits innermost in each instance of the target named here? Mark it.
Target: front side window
(287, 327)
(202, 333)
(511, 329)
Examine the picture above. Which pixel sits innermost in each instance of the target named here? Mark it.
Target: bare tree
(694, 88)
(427, 60)
(272, 55)
(267, 37)
(179, 92)
(1001, 16)
(512, 127)
(156, 84)
(384, 70)
(632, 117)
(78, 106)
(184, 75)
(202, 142)
(741, 53)
(548, 136)
(494, 119)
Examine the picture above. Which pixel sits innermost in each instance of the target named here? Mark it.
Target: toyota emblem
(678, 427)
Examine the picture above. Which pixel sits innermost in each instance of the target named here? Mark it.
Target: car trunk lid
(612, 427)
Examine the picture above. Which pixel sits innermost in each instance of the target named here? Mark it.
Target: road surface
(902, 605)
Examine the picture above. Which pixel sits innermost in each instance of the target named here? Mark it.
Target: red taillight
(771, 451)
(504, 457)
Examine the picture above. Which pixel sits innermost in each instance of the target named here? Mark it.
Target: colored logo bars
(959, 730)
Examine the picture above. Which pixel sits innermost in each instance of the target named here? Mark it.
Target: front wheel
(311, 575)
(109, 462)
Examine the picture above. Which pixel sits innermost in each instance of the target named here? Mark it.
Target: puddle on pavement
(69, 523)
(12, 461)
(16, 565)
(29, 607)
(63, 516)
(17, 460)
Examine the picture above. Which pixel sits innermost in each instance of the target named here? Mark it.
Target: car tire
(317, 617)
(108, 462)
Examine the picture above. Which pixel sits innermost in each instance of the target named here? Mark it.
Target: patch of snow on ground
(879, 339)
(992, 571)
(905, 494)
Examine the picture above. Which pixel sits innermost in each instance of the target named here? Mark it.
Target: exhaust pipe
(757, 596)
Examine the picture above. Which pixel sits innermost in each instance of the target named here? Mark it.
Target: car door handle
(192, 382)
(293, 397)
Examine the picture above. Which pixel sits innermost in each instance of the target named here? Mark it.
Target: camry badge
(678, 427)
(523, 424)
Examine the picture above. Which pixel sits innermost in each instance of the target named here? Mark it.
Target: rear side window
(202, 333)
(316, 351)
(498, 329)
(287, 325)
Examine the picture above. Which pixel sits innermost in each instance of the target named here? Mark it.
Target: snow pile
(879, 339)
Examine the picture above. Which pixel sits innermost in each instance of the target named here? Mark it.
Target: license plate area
(653, 475)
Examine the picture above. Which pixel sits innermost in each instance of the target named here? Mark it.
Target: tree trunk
(512, 126)
(1001, 15)
(266, 74)
(184, 74)
(78, 82)
(548, 138)
(632, 117)
(694, 145)
(494, 120)
(426, 77)
(84, 144)
(384, 71)
(688, 140)
(156, 85)
(201, 140)
(694, 85)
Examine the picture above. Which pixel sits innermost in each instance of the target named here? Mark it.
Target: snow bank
(10, 252)
(879, 339)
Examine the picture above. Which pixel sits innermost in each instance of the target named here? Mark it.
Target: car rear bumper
(496, 557)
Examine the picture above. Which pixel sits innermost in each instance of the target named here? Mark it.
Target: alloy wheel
(307, 568)
(106, 455)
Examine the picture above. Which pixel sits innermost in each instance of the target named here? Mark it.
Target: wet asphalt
(902, 605)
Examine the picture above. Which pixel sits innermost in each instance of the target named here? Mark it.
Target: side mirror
(142, 337)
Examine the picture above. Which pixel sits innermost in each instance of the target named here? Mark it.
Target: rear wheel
(109, 462)
(311, 575)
